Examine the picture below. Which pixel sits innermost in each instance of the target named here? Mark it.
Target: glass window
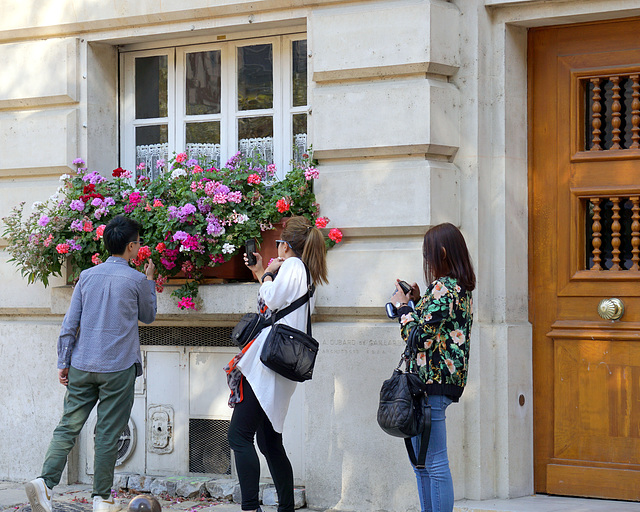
(151, 87)
(255, 77)
(203, 94)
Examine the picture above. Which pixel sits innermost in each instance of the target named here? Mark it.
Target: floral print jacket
(442, 320)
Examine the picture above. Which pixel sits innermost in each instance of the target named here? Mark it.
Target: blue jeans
(435, 485)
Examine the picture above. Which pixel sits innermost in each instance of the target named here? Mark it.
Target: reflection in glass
(255, 77)
(203, 83)
(151, 87)
(255, 137)
(299, 136)
(203, 143)
(151, 149)
(299, 76)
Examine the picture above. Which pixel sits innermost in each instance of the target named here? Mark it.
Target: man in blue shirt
(99, 360)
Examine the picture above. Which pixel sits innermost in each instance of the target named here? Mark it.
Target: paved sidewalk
(77, 498)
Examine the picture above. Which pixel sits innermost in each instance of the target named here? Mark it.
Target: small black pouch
(247, 329)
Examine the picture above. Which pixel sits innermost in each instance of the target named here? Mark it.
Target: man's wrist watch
(270, 274)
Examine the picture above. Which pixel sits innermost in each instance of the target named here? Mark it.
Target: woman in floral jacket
(442, 322)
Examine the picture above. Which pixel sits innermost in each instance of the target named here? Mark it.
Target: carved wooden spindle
(596, 234)
(635, 112)
(596, 108)
(616, 120)
(635, 233)
(615, 233)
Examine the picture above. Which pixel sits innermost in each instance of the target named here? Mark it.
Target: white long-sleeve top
(272, 390)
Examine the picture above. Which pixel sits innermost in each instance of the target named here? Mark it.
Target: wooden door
(584, 182)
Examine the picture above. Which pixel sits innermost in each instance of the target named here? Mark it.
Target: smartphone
(250, 248)
(405, 287)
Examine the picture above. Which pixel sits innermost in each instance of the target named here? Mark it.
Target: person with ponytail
(260, 397)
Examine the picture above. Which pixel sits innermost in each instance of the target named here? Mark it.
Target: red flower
(88, 189)
(87, 226)
(321, 222)
(181, 157)
(144, 252)
(100, 231)
(95, 259)
(118, 172)
(254, 179)
(335, 235)
(283, 205)
(161, 247)
(62, 248)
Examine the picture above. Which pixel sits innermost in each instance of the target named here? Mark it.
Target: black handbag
(247, 328)
(403, 410)
(288, 351)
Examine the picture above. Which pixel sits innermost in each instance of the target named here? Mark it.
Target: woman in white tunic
(261, 396)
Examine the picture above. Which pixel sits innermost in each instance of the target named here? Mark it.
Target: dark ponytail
(308, 243)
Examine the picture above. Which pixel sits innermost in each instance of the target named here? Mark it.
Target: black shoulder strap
(298, 303)
(424, 442)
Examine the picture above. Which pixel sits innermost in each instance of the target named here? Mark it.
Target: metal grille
(209, 450)
(186, 336)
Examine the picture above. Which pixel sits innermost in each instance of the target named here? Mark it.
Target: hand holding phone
(250, 248)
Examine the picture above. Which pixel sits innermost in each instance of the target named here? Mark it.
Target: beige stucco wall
(418, 117)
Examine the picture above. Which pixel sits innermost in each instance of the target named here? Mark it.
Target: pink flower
(157, 203)
(141, 166)
(100, 231)
(197, 169)
(181, 157)
(47, 242)
(271, 169)
(135, 198)
(321, 222)
(254, 179)
(283, 205)
(87, 226)
(160, 282)
(439, 290)
(95, 259)
(186, 303)
(62, 248)
(168, 264)
(311, 174)
(336, 235)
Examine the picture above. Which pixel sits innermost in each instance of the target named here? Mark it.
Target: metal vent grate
(186, 336)
(209, 450)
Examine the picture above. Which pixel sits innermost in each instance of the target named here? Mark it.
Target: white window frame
(281, 113)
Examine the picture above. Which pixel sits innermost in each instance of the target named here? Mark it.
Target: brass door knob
(611, 309)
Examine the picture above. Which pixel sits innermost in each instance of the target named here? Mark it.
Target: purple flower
(191, 162)
(108, 201)
(94, 178)
(43, 221)
(187, 209)
(180, 235)
(77, 204)
(100, 212)
(160, 163)
(128, 208)
(214, 226)
(172, 212)
(97, 202)
(203, 206)
(73, 245)
(76, 225)
(78, 161)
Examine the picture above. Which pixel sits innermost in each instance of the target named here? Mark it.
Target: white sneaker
(39, 495)
(102, 505)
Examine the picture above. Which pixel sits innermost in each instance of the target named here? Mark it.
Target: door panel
(584, 182)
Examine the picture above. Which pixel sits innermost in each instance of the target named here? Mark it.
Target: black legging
(249, 420)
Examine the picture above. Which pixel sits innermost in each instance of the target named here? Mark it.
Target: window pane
(299, 136)
(203, 142)
(151, 149)
(255, 77)
(299, 57)
(255, 137)
(151, 87)
(203, 83)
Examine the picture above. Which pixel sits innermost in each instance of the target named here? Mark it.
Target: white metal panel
(208, 390)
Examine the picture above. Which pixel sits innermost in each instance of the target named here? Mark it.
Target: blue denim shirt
(100, 331)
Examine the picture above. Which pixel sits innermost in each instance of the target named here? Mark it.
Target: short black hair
(119, 232)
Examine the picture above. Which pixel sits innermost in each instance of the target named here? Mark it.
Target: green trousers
(113, 392)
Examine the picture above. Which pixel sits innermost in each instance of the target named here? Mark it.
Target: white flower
(177, 173)
(65, 177)
(241, 219)
(37, 204)
(228, 248)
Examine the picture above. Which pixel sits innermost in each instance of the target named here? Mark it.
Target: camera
(392, 311)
